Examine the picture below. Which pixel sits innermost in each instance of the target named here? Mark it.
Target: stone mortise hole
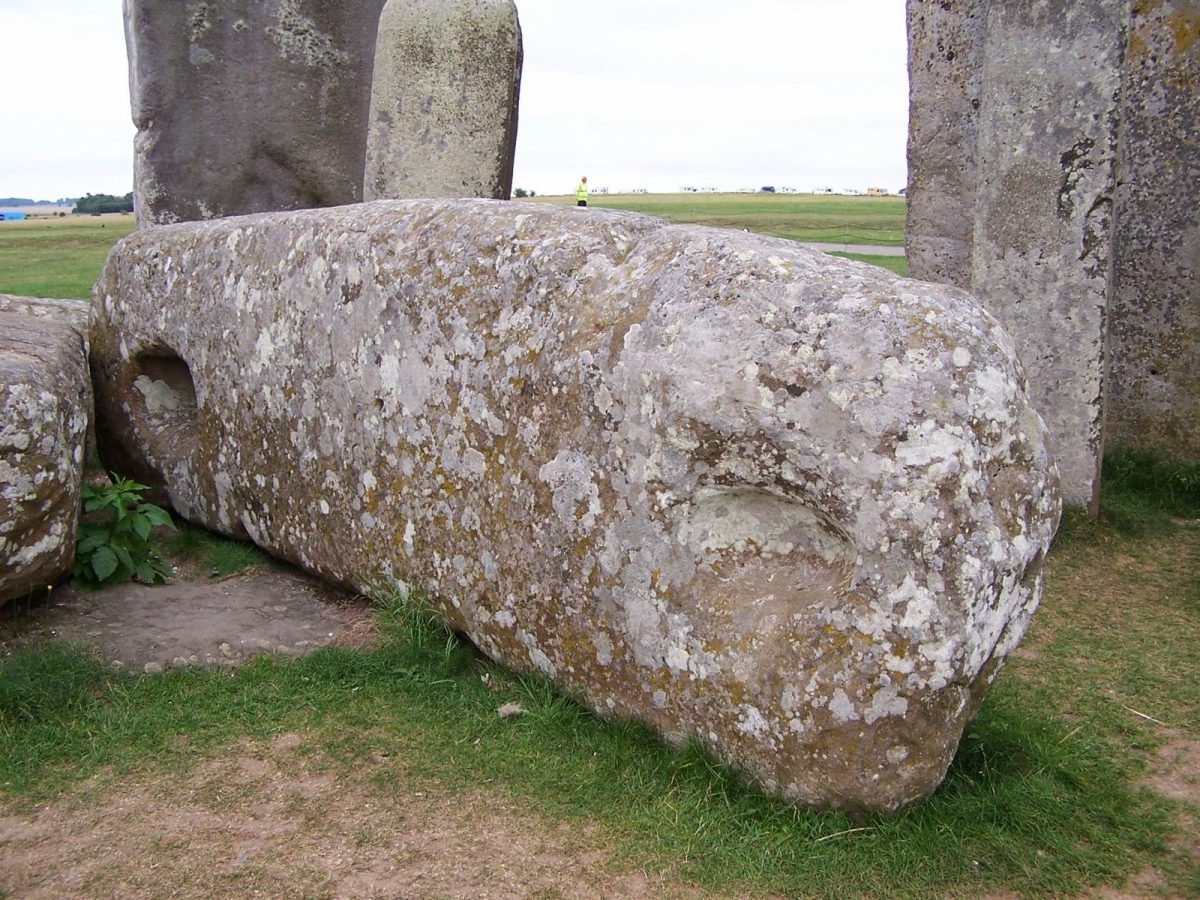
(164, 383)
(794, 540)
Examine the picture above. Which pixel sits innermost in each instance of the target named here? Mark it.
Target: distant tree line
(26, 201)
(94, 204)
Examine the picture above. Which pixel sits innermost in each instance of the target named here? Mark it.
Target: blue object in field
(12, 216)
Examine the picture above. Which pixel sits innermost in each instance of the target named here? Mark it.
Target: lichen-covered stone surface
(790, 505)
(67, 312)
(247, 106)
(1154, 330)
(44, 413)
(443, 119)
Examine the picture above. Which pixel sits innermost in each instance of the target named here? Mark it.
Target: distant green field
(51, 257)
(800, 217)
(897, 264)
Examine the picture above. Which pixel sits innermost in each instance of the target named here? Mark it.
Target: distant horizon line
(600, 190)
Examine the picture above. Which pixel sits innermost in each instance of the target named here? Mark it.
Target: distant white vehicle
(823, 190)
(851, 192)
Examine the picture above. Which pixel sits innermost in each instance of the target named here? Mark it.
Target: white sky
(652, 94)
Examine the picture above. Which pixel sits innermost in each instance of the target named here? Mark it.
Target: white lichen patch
(158, 396)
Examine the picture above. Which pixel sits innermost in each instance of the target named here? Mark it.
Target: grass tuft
(218, 556)
(49, 684)
(1140, 490)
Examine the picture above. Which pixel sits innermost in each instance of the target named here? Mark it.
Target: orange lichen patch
(1185, 30)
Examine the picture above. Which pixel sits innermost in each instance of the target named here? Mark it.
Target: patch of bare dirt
(1176, 775)
(221, 622)
(270, 820)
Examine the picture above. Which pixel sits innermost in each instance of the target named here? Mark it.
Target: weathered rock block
(443, 120)
(1043, 243)
(790, 505)
(1054, 173)
(246, 106)
(44, 413)
(1154, 325)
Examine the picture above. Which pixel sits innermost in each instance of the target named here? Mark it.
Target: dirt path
(266, 821)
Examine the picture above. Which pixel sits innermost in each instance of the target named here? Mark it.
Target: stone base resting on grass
(790, 506)
(45, 407)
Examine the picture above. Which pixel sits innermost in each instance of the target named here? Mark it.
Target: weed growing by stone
(115, 544)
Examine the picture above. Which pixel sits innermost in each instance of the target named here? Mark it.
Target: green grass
(800, 217)
(57, 257)
(1037, 801)
(1141, 490)
(897, 264)
(217, 556)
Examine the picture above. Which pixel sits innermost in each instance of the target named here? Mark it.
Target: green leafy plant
(114, 543)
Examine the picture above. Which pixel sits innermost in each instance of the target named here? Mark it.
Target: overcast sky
(651, 94)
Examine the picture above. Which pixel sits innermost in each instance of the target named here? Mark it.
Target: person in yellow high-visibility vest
(581, 192)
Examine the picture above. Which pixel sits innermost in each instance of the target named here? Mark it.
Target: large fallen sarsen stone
(45, 406)
(792, 506)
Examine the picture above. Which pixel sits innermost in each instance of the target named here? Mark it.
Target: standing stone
(1016, 203)
(443, 119)
(1154, 330)
(245, 106)
(791, 506)
(1043, 225)
(945, 52)
(44, 414)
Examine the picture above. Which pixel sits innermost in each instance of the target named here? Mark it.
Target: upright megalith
(791, 506)
(443, 120)
(1154, 324)
(1053, 172)
(45, 407)
(1042, 247)
(945, 51)
(1012, 159)
(246, 106)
